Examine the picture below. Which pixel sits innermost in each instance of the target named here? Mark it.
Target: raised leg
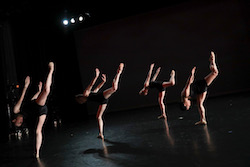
(107, 93)
(144, 90)
(171, 81)
(201, 109)
(39, 135)
(99, 115)
(214, 70)
(42, 98)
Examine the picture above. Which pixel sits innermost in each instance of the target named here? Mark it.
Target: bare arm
(101, 84)
(186, 90)
(88, 89)
(17, 107)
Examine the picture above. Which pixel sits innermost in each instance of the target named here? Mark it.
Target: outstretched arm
(17, 107)
(38, 92)
(186, 90)
(88, 89)
(101, 84)
(214, 70)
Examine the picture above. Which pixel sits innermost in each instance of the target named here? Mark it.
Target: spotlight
(81, 18)
(72, 20)
(65, 22)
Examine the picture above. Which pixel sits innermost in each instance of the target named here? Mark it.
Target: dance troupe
(35, 110)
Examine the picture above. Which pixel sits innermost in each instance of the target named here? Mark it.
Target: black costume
(31, 111)
(157, 85)
(198, 87)
(98, 97)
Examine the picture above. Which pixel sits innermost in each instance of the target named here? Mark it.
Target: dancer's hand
(27, 81)
(103, 77)
(193, 70)
(158, 69)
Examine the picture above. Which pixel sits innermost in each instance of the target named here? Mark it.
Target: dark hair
(182, 107)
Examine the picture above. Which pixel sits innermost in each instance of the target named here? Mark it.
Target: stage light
(65, 22)
(72, 20)
(81, 18)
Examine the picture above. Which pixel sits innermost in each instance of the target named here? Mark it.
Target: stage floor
(138, 138)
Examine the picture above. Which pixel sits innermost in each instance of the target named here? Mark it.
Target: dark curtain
(8, 78)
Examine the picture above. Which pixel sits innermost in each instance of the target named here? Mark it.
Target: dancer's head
(185, 105)
(18, 121)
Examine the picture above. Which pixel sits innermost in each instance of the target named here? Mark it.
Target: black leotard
(98, 97)
(157, 85)
(31, 111)
(198, 87)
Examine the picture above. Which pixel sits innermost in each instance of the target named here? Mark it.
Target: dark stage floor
(137, 138)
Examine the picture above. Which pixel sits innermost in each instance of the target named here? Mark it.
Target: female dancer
(199, 88)
(35, 108)
(160, 86)
(100, 97)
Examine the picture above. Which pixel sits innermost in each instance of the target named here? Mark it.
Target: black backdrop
(177, 37)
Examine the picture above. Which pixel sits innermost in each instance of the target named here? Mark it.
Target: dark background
(175, 35)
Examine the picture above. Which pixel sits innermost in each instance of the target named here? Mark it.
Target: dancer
(100, 97)
(199, 88)
(36, 107)
(160, 86)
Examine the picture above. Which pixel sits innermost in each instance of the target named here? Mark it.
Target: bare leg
(39, 135)
(162, 105)
(201, 109)
(214, 70)
(99, 115)
(41, 99)
(107, 93)
(171, 81)
(144, 90)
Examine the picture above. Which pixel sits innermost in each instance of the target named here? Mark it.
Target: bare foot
(51, 66)
(212, 57)
(201, 122)
(36, 155)
(163, 116)
(172, 74)
(100, 136)
(120, 69)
